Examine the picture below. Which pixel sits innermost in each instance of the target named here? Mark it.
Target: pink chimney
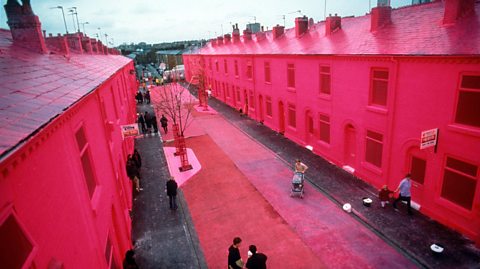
(277, 31)
(301, 25)
(332, 24)
(455, 9)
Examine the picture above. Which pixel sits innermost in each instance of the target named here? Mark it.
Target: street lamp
(63, 14)
(74, 11)
(83, 25)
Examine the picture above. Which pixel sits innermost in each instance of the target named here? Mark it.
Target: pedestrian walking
(137, 159)
(133, 172)
(234, 259)
(404, 195)
(141, 122)
(147, 97)
(164, 123)
(129, 261)
(172, 192)
(148, 121)
(384, 195)
(154, 124)
(256, 260)
(139, 97)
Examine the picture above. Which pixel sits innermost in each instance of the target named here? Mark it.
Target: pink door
(350, 146)
(281, 118)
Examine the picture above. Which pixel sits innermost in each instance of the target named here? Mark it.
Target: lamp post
(63, 14)
(72, 12)
(83, 25)
(76, 16)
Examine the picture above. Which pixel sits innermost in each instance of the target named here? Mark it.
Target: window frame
(475, 178)
(236, 68)
(267, 72)
(322, 122)
(86, 150)
(225, 66)
(381, 142)
(323, 73)
(249, 70)
(289, 109)
(291, 68)
(373, 79)
(457, 99)
(268, 106)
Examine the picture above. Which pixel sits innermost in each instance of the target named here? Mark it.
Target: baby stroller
(297, 185)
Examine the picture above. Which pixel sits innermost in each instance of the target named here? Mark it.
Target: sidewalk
(163, 239)
(410, 236)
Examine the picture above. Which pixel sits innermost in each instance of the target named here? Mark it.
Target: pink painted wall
(422, 94)
(43, 181)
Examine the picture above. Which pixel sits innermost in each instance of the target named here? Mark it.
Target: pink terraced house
(64, 194)
(359, 91)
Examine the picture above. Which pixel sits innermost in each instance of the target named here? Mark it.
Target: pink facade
(360, 91)
(64, 194)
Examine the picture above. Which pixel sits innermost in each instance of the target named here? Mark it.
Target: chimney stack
(220, 40)
(213, 41)
(332, 24)
(227, 38)
(236, 34)
(277, 31)
(57, 43)
(260, 35)
(25, 26)
(301, 26)
(380, 16)
(455, 9)
(247, 35)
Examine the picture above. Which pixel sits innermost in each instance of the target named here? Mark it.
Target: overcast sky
(155, 21)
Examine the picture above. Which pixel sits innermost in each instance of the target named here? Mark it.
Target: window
(249, 71)
(227, 90)
(468, 108)
(417, 169)
(324, 133)
(267, 72)
(210, 64)
(15, 244)
(114, 102)
(85, 158)
(239, 97)
(216, 66)
(292, 117)
(374, 147)
(325, 79)
(268, 104)
(291, 75)
(459, 182)
(225, 66)
(379, 85)
(236, 68)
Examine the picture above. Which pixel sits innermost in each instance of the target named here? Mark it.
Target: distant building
(416, 2)
(254, 27)
(360, 91)
(64, 194)
(171, 58)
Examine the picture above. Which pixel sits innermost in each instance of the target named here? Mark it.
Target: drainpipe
(255, 101)
(391, 118)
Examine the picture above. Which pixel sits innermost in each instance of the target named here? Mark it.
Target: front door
(350, 146)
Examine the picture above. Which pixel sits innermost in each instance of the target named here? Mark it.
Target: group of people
(384, 194)
(256, 260)
(143, 97)
(134, 163)
(147, 122)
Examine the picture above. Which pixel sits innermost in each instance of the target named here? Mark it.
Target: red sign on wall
(429, 138)
(129, 130)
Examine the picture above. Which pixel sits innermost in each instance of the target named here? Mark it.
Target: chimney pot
(277, 31)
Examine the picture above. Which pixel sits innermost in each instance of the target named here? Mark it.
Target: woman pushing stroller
(298, 178)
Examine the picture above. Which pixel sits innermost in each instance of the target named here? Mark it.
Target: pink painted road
(243, 189)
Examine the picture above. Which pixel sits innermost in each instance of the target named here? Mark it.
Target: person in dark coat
(133, 172)
(172, 192)
(148, 120)
(141, 122)
(154, 123)
(139, 97)
(147, 96)
(129, 261)
(257, 260)
(137, 159)
(164, 123)
(234, 258)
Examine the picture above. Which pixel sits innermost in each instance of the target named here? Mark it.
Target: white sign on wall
(429, 138)
(130, 130)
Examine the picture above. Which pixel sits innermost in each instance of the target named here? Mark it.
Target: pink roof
(415, 30)
(35, 87)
